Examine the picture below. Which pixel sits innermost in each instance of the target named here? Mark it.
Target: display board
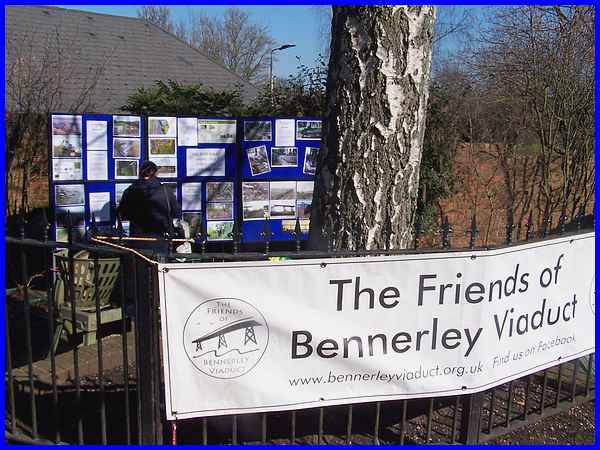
(277, 165)
(92, 159)
(197, 156)
(221, 170)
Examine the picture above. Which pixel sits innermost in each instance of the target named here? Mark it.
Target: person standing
(150, 208)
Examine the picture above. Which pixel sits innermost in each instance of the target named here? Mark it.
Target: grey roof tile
(131, 52)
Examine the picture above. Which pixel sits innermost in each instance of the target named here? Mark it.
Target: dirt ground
(575, 426)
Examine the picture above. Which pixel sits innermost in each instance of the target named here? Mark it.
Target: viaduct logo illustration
(225, 337)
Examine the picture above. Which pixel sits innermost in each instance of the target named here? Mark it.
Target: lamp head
(283, 47)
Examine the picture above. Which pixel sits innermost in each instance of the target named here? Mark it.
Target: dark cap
(148, 168)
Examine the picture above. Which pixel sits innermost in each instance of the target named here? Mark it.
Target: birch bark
(368, 170)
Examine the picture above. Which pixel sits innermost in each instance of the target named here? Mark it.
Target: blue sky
(295, 24)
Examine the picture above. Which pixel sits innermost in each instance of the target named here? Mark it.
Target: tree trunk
(368, 170)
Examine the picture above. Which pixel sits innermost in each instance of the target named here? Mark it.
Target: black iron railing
(111, 391)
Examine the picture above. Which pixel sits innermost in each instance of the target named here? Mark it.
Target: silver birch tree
(367, 175)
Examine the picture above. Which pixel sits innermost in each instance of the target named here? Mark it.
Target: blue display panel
(277, 166)
(201, 156)
(222, 170)
(90, 155)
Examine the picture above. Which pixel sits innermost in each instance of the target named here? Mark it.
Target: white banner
(266, 336)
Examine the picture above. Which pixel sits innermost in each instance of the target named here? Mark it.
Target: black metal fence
(94, 376)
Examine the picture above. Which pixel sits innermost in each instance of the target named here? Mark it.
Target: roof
(111, 56)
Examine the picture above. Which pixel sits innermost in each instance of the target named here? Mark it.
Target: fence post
(446, 230)
(547, 224)
(473, 232)
(297, 234)
(472, 403)
(471, 418)
(93, 227)
(328, 233)
(201, 238)
(266, 234)
(579, 219)
(418, 231)
(148, 362)
(235, 236)
(509, 227)
(561, 223)
(120, 230)
(529, 227)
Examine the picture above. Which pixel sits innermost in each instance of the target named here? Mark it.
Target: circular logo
(225, 337)
(593, 295)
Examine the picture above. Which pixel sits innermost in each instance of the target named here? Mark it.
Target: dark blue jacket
(144, 204)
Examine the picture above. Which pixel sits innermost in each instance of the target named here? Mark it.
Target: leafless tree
(233, 40)
(537, 67)
(40, 69)
(158, 15)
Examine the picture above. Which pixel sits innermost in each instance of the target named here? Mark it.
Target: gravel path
(575, 426)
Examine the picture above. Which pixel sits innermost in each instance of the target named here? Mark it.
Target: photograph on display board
(258, 159)
(256, 210)
(303, 209)
(217, 131)
(66, 146)
(308, 130)
(126, 168)
(304, 190)
(162, 126)
(283, 190)
(62, 234)
(283, 209)
(63, 214)
(257, 130)
(163, 147)
(219, 191)
(126, 126)
(219, 231)
(64, 125)
(255, 191)
(288, 226)
(310, 160)
(67, 169)
(167, 167)
(119, 189)
(69, 194)
(219, 211)
(99, 206)
(126, 148)
(194, 220)
(126, 227)
(284, 156)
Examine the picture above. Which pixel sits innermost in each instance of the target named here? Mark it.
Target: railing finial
(510, 226)
(418, 231)
(529, 227)
(446, 230)
(473, 231)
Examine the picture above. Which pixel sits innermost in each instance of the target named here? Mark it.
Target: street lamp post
(283, 47)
